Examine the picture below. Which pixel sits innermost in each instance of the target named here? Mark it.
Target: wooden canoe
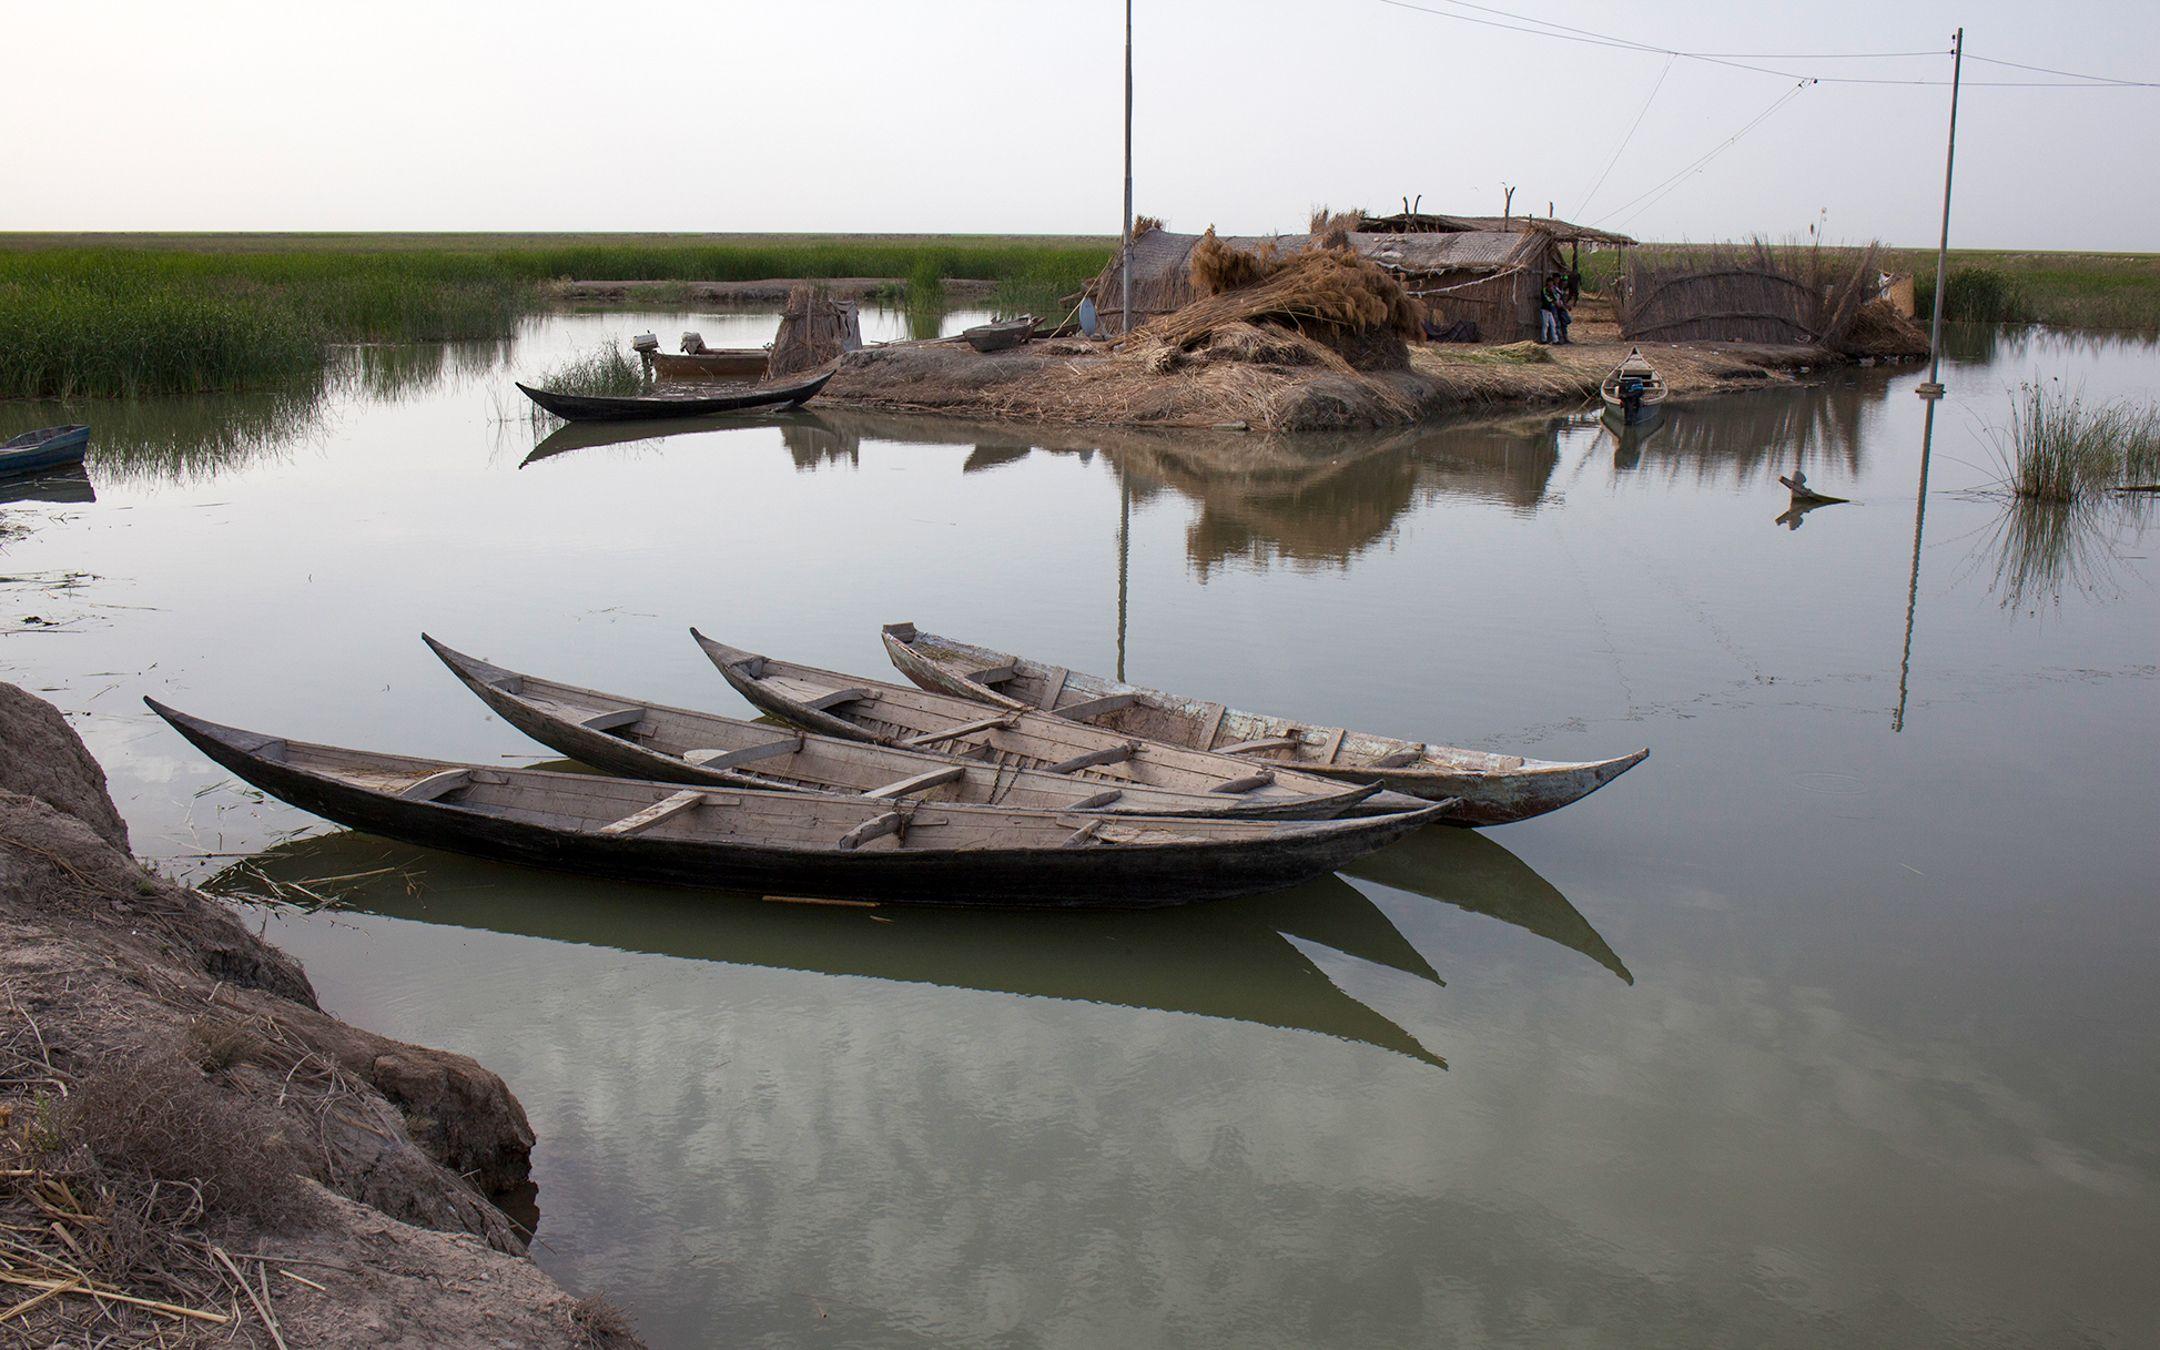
(686, 402)
(790, 843)
(915, 719)
(44, 448)
(641, 739)
(740, 363)
(1489, 789)
(1001, 336)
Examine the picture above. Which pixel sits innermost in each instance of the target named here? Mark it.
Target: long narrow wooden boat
(914, 719)
(641, 739)
(790, 843)
(734, 363)
(44, 448)
(1634, 392)
(1488, 789)
(687, 402)
(1001, 336)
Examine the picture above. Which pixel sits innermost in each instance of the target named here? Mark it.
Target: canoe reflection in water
(1229, 959)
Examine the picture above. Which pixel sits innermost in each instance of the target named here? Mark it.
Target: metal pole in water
(1933, 387)
(1124, 562)
(1912, 586)
(1125, 266)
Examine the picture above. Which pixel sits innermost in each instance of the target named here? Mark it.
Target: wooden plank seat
(613, 721)
(955, 732)
(1115, 754)
(877, 827)
(1263, 743)
(1096, 707)
(994, 674)
(1248, 783)
(665, 809)
(749, 754)
(835, 698)
(1400, 758)
(921, 782)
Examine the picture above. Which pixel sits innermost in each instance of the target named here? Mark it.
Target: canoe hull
(501, 690)
(1485, 789)
(744, 364)
(1039, 740)
(1110, 876)
(651, 407)
(49, 448)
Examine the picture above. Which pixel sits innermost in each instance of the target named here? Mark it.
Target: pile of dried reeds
(1879, 331)
(814, 329)
(1757, 292)
(1327, 293)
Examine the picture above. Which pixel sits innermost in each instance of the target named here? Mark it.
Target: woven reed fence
(1753, 293)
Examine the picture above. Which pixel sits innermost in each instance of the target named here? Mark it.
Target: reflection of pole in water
(1124, 556)
(1912, 587)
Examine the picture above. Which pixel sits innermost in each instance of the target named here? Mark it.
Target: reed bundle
(1328, 294)
(814, 329)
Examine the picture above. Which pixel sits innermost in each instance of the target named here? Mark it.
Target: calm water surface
(1831, 1024)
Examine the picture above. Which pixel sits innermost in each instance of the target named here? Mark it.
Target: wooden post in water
(1125, 268)
(1933, 388)
(1912, 586)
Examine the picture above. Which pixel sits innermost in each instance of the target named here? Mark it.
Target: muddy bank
(1268, 385)
(772, 291)
(173, 1099)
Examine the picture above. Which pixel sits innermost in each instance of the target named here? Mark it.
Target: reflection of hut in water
(989, 455)
(1510, 463)
(1481, 270)
(814, 443)
(1754, 437)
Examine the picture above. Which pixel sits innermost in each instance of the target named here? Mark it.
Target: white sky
(1003, 116)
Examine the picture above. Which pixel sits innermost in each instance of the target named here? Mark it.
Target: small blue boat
(46, 448)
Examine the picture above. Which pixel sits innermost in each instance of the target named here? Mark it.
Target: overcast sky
(1004, 116)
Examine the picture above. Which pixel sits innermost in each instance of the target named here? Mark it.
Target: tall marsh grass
(2059, 448)
(116, 321)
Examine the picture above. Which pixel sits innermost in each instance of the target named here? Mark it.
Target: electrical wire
(1591, 37)
(1651, 196)
(1584, 204)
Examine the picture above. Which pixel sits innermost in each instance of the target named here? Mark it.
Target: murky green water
(1831, 1024)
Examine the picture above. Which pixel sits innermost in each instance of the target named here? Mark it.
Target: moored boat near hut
(915, 719)
(791, 843)
(1486, 788)
(642, 739)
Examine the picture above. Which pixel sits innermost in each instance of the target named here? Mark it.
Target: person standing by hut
(1548, 320)
(1555, 299)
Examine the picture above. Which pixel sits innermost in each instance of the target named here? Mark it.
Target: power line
(1584, 204)
(2076, 75)
(1590, 37)
(1650, 198)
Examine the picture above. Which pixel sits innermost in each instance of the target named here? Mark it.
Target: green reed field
(127, 315)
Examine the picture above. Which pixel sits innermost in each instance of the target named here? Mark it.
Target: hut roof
(1161, 254)
(1425, 222)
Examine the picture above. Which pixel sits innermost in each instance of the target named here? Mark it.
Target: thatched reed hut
(1456, 269)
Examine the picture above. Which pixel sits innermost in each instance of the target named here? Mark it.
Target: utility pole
(1933, 387)
(1125, 268)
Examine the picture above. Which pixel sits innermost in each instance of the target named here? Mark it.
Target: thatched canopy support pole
(1125, 269)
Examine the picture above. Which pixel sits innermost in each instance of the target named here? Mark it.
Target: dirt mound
(169, 1089)
(1880, 331)
(41, 757)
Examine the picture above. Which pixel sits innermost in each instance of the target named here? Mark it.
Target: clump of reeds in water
(2060, 448)
(603, 371)
(2066, 465)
